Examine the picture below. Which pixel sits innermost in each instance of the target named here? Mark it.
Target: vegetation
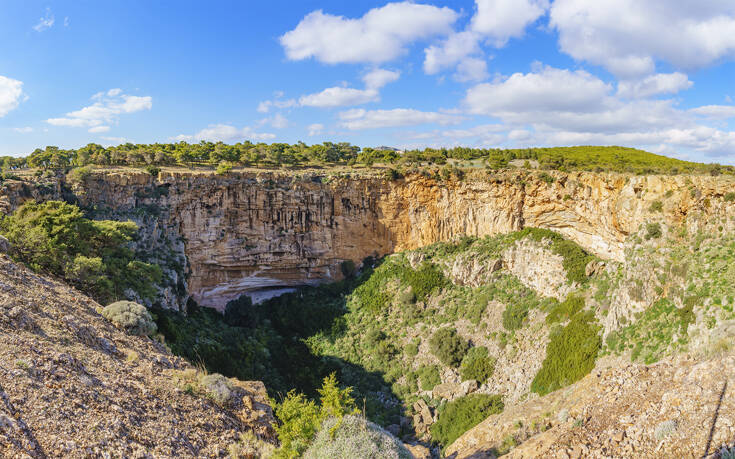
(355, 437)
(448, 346)
(301, 418)
(561, 312)
(55, 237)
(653, 231)
(570, 354)
(589, 158)
(477, 365)
(459, 416)
(429, 377)
(131, 317)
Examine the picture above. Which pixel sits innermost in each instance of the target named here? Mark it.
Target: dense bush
(459, 416)
(428, 377)
(355, 437)
(55, 237)
(570, 354)
(477, 365)
(448, 346)
(563, 311)
(653, 231)
(131, 317)
(301, 418)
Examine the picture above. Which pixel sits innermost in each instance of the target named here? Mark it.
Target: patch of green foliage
(563, 311)
(301, 418)
(661, 329)
(570, 354)
(574, 258)
(653, 231)
(729, 196)
(656, 206)
(448, 346)
(429, 377)
(93, 255)
(477, 365)
(459, 416)
(131, 317)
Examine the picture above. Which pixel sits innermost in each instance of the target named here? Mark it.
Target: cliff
(222, 236)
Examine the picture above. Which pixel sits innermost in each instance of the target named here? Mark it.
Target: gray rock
(4, 245)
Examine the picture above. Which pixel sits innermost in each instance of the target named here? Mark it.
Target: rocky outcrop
(534, 264)
(223, 236)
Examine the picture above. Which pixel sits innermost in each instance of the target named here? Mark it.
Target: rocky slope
(251, 230)
(676, 408)
(72, 385)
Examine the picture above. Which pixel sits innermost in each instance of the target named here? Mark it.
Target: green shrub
(448, 346)
(224, 168)
(459, 416)
(514, 315)
(56, 238)
(153, 170)
(729, 196)
(563, 311)
(570, 355)
(429, 377)
(412, 349)
(656, 206)
(249, 446)
(217, 387)
(131, 317)
(301, 418)
(78, 175)
(355, 437)
(653, 231)
(546, 178)
(348, 268)
(477, 365)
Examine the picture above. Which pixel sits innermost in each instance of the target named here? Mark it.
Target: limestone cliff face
(251, 230)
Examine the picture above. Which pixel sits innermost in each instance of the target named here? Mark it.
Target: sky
(653, 74)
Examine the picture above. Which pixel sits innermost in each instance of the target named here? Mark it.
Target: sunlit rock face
(247, 231)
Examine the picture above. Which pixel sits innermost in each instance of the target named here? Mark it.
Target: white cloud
(278, 102)
(66, 21)
(225, 133)
(377, 78)
(381, 35)
(46, 22)
(105, 110)
(340, 96)
(11, 92)
(315, 129)
(23, 130)
(356, 119)
(660, 83)
(548, 90)
(495, 21)
(715, 111)
(277, 121)
(500, 20)
(628, 36)
(552, 106)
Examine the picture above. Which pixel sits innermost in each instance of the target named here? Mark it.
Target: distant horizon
(441, 73)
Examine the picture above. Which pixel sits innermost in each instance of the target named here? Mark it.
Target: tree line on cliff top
(248, 154)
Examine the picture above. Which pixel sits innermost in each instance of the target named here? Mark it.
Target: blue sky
(489, 73)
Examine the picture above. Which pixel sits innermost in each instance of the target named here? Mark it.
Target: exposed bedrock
(252, 230)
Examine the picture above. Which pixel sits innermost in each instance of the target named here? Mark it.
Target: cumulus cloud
(501, 20)
(315, 129)
(652, 85)
(715, 111)
(686, 34)
(494, 21)
(278, 102)
(340, 96)
(561, 107)
(225, 133)
(11, 92)
(46, 22)
(106, 110)
(358, 118)
(381, 35)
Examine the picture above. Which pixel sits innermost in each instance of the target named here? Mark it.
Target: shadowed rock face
(252, 230)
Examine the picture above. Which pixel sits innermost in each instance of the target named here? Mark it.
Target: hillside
(72, 385)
